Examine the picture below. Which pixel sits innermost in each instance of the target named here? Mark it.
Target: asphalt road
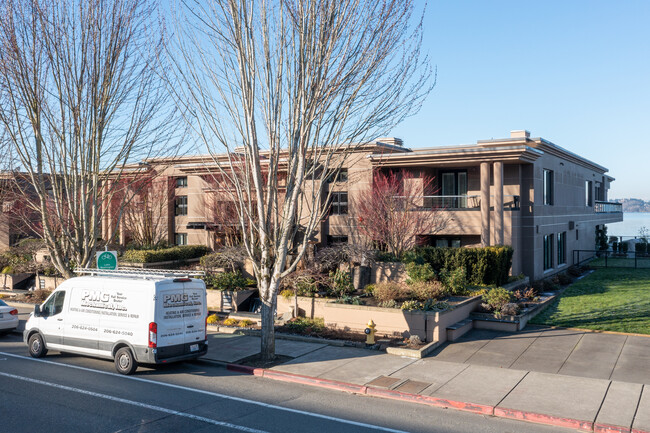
(67, 393)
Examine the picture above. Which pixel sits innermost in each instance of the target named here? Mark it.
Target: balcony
(449, 202)
(607, 207)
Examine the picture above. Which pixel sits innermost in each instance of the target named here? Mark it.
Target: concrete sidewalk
(517, 376)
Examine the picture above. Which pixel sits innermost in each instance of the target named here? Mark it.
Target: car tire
(37, 346)
(125, 362)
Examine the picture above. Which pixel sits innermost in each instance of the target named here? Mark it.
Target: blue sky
(574, 72)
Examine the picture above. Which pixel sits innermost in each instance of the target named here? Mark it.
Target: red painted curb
(430, 401)
(640, 431)
(315, 381)
(606, 428)
(544, 419)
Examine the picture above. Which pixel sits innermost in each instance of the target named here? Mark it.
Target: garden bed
(512, 323)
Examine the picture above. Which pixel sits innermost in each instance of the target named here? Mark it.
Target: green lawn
(608, 300)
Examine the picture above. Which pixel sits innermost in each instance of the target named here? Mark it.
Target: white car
(8, 318)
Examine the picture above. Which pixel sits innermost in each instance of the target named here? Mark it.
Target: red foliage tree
(395, 210)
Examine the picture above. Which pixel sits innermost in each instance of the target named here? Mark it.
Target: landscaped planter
(510, 323)
(428, 325)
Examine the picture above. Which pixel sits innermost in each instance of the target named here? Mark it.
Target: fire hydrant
(370, 332)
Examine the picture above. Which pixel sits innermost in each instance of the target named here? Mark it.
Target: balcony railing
(461, 202)
(607, 207)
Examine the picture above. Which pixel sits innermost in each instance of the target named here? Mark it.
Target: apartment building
(527, 192)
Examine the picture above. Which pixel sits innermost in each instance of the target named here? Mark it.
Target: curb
(433, 401)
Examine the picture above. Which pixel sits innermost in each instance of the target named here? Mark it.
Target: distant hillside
(634, 205)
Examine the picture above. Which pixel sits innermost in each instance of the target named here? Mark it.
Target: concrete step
(458, 329)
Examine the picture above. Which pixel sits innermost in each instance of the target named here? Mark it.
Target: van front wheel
(125, 363)
(37, 346)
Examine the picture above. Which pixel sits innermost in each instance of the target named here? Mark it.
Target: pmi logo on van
(95, 296)
(175, 298)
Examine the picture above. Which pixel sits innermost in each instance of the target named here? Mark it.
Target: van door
(170, 300)
(194, 314)
(82, 322)
(53, 320)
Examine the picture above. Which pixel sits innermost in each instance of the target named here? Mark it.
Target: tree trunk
(295, 304)
(267, 349)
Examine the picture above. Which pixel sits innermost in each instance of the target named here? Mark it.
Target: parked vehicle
(8, 318)
(130, 316)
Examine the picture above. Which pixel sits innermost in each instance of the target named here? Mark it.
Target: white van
(130, 316)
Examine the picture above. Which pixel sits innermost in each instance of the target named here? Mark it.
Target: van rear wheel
(37, 346)
(125, 363)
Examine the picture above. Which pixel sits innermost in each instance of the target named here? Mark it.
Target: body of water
(630, 225)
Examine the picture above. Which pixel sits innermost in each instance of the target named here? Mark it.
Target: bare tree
(80, 97)
(281, 92)
(394, 211)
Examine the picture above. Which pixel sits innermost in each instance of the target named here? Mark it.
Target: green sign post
(107, 260)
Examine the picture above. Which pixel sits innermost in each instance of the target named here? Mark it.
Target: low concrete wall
(438, 322)
(48, 283)
(214, 300)
(390, 321)
(309, 307)
(431, 326)
(388, 271)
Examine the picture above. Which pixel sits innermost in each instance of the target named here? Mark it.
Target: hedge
(183, 252)
(483, 266)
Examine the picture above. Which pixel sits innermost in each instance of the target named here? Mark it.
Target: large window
(180, 205)
(180, 238)
(339, 202)
(548, 252)
(453, 188)
(548, 187)
(561, 248)
(589, 198)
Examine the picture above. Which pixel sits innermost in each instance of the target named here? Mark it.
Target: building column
(485, 204)
(498, 203)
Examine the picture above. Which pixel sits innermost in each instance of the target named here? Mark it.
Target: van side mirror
(37, 310)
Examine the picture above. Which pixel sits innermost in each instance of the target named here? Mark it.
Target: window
(342, 176)
(181, 182)
(453, 188)
(548, 252)
(54, 305)
(599, 192)
(589, 198)
(561, 248)
(447, 242)
(41, 283)
(180, 238)
(337, 240)
(548, 187)
(339, 204)
(180, 205)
